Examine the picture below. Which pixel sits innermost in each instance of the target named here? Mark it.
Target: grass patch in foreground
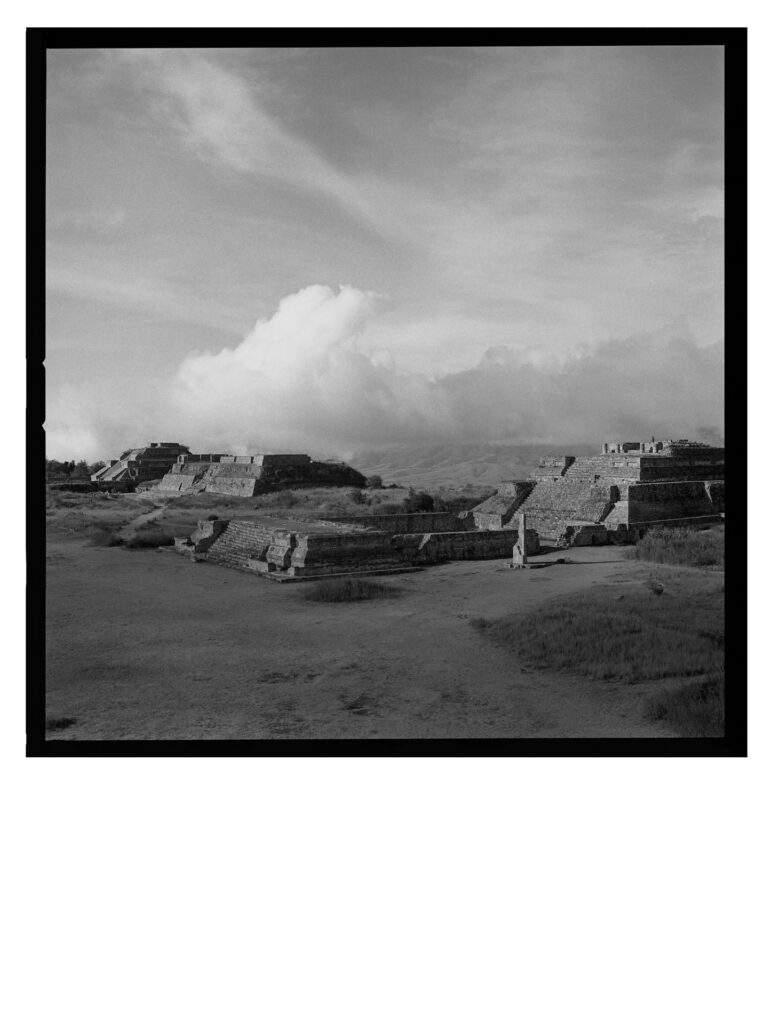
(57, 724)
(646, 636)
(681, 546)
(695, 709)
(349, 589)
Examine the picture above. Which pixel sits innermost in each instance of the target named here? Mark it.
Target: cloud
(221, 117)
(302, 380)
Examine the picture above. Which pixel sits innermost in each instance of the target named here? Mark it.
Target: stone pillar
(519, 554)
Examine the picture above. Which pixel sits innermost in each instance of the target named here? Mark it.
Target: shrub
(418, 501)
(101, 537)
(681, 546)
(57, 724)
(374, 482)
(150, 537)
(695, 709)
(349, 589)
(356, 496)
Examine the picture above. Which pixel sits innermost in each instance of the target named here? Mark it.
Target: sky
(331, 249)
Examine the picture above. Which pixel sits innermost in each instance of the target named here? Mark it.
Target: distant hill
(482, 464)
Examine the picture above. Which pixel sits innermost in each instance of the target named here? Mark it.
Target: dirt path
(144, 644)
(131, 527)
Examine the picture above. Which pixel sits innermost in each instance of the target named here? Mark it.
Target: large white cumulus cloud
(298, 380)
(304, 380)
(310, 379)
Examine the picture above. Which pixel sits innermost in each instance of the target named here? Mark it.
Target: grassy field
(668, 629)
(141, 644)
(697, 548)
(146, 645)
(694, 709)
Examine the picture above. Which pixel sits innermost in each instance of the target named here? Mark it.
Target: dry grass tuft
(149, 536)
(648, 636)
(695, 709)
(57, 724)
(682, 546)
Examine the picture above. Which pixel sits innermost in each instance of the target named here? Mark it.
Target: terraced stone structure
(286, 548)
(247, 475)
(616, 495)
(138, 465)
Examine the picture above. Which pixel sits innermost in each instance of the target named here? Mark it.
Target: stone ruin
(179, 471)
(616, 495)
(139, 465)
(285, 548)
(611, 497)
(247, 475)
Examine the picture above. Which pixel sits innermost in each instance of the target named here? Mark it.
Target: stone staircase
(552, 503)
(239, 542)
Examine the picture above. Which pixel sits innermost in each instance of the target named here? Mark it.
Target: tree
(374, 481)
(418, 501)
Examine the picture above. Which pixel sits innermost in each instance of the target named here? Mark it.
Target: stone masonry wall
(409, 522)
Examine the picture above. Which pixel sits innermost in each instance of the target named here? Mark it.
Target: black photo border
(734, 41)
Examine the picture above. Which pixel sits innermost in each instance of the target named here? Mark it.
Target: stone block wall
(255, 546)
(240, 541)
(451, 547)
(408, 522)
(495, 512)
(669, 500)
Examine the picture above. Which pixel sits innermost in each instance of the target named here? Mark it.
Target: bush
(356, 496)
(695, 709)
(349, 589)
(374, 482)
(681, 546)
(418, 501)
(150, 537)
(460, 503)
(57, 724)
(101, 537)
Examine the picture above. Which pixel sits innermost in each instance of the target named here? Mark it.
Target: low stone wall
(409, 522)
(259, 547)
(451, 547)
(669, 500)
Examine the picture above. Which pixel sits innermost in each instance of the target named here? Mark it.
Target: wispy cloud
(220, 116)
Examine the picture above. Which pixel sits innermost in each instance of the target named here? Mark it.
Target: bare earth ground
(148, 645)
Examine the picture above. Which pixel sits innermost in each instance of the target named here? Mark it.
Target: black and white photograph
(384, 406)
(385, 653)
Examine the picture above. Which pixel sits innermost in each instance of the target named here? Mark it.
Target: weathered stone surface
(496, 511)
(626, 485)
(139, 464)
(247, 475)
(283, 547)
(408, 522)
